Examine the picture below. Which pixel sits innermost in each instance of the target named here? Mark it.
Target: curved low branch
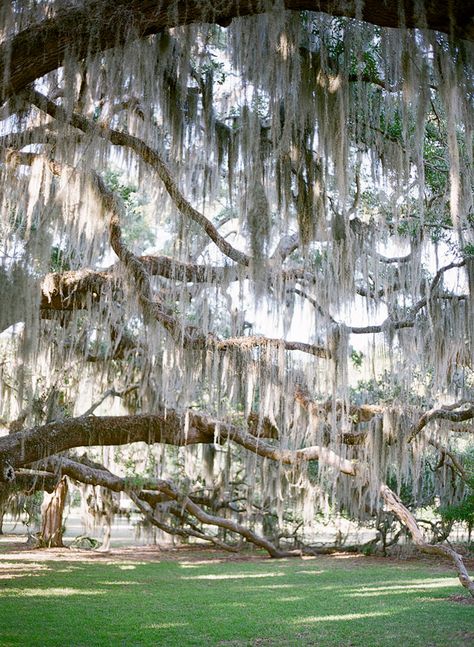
(221, 522)
(101, 476)
(147, 511)
(394, 504)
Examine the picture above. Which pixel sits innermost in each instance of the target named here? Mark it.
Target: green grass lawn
(197, 601)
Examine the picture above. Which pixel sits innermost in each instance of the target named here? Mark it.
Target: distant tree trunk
(52, 516)
(107, 517)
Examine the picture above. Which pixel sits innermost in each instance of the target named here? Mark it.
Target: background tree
(306, 181)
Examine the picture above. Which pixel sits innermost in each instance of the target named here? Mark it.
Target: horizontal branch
(257, 341)
(166, 426)
(443, 413)
(220, 522)
(76, 289)
(93, 26)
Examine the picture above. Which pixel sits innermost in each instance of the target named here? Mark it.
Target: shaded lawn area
(200, 600)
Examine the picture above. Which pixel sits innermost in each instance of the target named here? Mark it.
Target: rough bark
(444, 413)
(97, 25)
(51, 534)
(168, 427)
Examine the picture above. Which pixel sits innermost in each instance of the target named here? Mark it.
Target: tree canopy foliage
(252, 223)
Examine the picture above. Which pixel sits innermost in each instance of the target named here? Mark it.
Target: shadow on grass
(229, 603)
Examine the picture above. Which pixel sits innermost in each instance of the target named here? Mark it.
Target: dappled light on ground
(196, 601)
(394, 589)
(291, 598)
(235, 605)
(236, 576)
(199, 562)
(306, 572)
(347, 616)
(259, 587)
(13, 576)
(15, 570)
(166, 625)
(18, 567)
(118, 583)
(49, 592)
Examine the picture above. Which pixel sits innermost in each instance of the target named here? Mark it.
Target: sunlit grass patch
(343, 616)
(226, 576)
(47, 592)
(259, 602)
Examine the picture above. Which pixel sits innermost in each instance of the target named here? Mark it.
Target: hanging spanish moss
(267, 223)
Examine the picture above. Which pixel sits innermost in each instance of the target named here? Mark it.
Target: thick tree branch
(188, 336)
(165, 426)
(97, 25)
(74, 290)
(77, 289)
(443, 413)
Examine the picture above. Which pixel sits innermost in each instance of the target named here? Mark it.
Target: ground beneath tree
(194, 595)
(11, 549)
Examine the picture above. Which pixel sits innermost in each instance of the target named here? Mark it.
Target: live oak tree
(305, 180)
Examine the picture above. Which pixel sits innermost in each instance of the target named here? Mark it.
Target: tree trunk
(52, 510)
